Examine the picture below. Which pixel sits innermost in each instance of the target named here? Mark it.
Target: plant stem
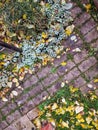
(12, 47)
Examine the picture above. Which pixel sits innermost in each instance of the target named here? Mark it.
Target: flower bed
(39, 51)
(69, 109)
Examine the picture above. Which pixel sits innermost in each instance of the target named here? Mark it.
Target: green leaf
(53, 70)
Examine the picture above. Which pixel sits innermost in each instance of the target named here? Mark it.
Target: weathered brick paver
(87, 64)
(80, 70)
(80, 56)
(3, 124)
(91, 35)
(12, 117)
(82, 19)
(88, 26)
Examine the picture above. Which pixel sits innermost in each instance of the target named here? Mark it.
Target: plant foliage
(69, 109)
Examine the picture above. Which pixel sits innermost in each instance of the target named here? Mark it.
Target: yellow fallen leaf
(83, 126)
(54, 106)
(52, 121)
(69, 30)
(15, 80)
(63, 63)
(37, 123)
(88, 120)
(64, 124)
(9, 84)
(88, 7)
(95, 80)
(4, 99)
(1, 65)
(21, 78)
(2, 56)
(24, 16)
(44, 35)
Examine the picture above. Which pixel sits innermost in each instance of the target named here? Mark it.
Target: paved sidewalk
(80, 71)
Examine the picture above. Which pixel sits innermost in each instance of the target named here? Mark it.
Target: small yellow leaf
(9, 84)
(21, 78)
(69, 30)
(83, 126)
(63, 63)
(15, 80)
(4, 99)
(24, 16)
(88, 7)
(88, 120)
(44, 35)
(37, 123)
(54, 106)
(64, 124)
(95, 80)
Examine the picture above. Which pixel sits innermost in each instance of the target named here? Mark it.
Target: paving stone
(58, 61)
(24, 124)
(96, 92)
(85, 65)
(39, 98)
(19, 90)
(33, 79)
(71, 75)
(6, 110)
(38, 88)
(27, 107)
(80, 56)
(94, 85)
(26, 84)
(14, 116)
(63, 69)
(91, 35)
(3, 124)
(0, 117)
(43, 73)
(27, 75)
(68, 43)
(75, 11)
(50, 79)
(73, 3)
(11, 127)
(2, 103)
(70, 65)
(33, 114)
(84, 89)
(22, 99)
(88, 26)
(78, 82)
(52, 90)
(81, 19)
(79, 44)
(95, 44)
(92, 72)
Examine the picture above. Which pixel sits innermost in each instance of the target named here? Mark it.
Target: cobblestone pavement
(81, 69)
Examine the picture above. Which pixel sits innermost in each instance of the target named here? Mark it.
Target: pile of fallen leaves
(69, 109)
